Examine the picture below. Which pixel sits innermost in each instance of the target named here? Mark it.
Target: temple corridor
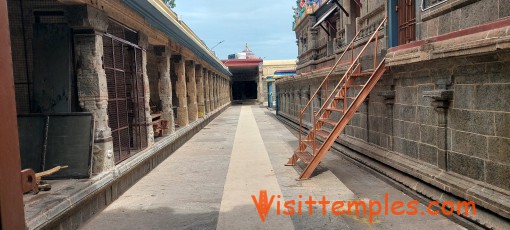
(208, 183)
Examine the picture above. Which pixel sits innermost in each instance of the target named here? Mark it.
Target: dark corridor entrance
(244, 90)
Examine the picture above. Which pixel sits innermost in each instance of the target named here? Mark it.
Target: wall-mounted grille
(126, 96)
(406, 21)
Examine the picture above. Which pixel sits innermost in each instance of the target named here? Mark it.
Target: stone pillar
(211, 92)
(180, 90)
(91, 82)
(207, 92)
(218, 91)
(441, 102)
(389, 100)
(143, 42)
(165, 88)
(191, 85)
(200, 90)
(222, 91)
(215, 91)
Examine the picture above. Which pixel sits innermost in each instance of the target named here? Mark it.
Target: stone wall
(454, 15)
(467, 135)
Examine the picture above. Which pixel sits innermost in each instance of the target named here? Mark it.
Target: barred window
(430, 3)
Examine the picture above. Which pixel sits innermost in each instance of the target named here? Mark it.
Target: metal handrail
(347, 73)
(303, 110)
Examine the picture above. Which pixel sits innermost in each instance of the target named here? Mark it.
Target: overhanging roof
(158, 16)
(324, 16)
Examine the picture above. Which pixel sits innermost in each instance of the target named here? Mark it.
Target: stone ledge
(490, 197)
(60, 205)
(427, 180)
(471, 41)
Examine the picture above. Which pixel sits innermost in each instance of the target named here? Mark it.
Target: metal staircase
(342, 102)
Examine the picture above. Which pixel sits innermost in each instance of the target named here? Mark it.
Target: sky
(266, 25)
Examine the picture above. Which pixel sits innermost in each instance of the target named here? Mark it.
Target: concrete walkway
(215, 179)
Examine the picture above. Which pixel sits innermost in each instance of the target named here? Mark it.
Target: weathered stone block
(471, 79)
(479, 13)
(406, 95)
(405, 112)
(427, 153)
(503, 124)
(445, 23)
(383, 142)
(504, 9)
(424, 101)
(499, 150)
(470, 70)
(410, 148)
(398, 128)
(455, 20)
(375, 123)
(421, 77)
(406, 147)
(387, 126)
(374, 138)
(466, 165)
(363, 121)
(426, 115)
(428, 134)
(469, 144)
(472, 121)
(498, 174)
(440, 73)
(433, 27)
(464, 96)
(494, 97)
(412, 131)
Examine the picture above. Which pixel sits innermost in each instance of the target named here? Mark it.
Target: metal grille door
(406, 21)
(126, 102)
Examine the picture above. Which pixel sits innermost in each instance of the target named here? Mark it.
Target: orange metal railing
(342, 82)
(325, 83)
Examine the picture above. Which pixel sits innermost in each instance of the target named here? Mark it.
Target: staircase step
(355, 86)
(327, 121)
(309, 143)
(304, 156)
(362, 74)
(322, 133)
(335, 109)
(348, 98)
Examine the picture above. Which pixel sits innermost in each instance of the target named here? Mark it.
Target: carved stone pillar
(200, 90)
(216, 91)
(91, 83)
(191, 87)
(180, 90)
(207, 93)
(442, 97)
(222, 91)
(389, 100)
(165, 88)
(211, 90)
(314, 39)
(143, 41)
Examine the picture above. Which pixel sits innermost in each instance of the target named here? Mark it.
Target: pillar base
(182, 116)
(102, 158)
